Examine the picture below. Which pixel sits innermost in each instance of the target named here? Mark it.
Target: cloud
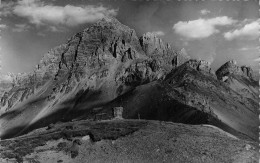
(204, 12)
(244, 49)
(158, 33)
(3, 26)
(201, 28)
(6, 8)
(250, 31)
(248, 48)
(39, 13)
(21, 28)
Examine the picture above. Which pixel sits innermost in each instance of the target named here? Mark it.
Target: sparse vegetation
(97, 131)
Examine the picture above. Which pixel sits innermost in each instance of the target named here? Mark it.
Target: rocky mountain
(107, 65)
(93, 68)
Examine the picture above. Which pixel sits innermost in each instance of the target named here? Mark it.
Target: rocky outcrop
(162, 53)
(231, 67)
(247, 71)
(5, 83)
(239, 79)
(201, 65)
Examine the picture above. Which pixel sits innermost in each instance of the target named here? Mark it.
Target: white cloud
(204, 12)
(249, 31)
(244, 49)
(201, 28)
(39, 13)
(3, 26)
(248, 48)
(158, 33)
(21, 28)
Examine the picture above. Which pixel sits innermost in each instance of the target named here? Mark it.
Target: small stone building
(118, 112)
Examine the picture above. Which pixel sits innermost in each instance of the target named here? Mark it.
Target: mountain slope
(240, 79)
(192, 94)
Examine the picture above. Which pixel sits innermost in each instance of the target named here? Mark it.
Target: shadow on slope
(66, 111)
(151, 102)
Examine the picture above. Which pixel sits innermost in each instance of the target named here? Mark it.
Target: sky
(212, 30)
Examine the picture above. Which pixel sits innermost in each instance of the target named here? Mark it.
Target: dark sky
(212, 30)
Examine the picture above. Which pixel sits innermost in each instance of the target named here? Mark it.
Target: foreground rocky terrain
(128, 141)
(106, 66)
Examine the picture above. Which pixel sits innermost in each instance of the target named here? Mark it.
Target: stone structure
(118, 112)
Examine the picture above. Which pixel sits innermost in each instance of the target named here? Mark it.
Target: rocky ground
(128, 141)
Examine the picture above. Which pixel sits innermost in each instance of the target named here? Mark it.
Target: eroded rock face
(240, 79)
(247, 71)
(202, 66)
(162, 53)
(5, 83)
(231, 67)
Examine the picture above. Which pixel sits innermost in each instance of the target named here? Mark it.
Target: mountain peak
(231, 67)
(111, 23)
(108, 20)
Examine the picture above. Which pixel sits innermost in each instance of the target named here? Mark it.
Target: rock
(247, 71)
(248, 147)
(164, 54)
(50, 126)
(231, 67)
(77, 141)
(204, 66)
(69, 127)
(200, 65)
(86, 138)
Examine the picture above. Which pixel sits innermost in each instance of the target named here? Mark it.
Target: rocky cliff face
(239, 79)
(231, 68)
(161, 53)
(107, 65)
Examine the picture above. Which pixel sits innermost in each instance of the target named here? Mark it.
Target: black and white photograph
(129, 81)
